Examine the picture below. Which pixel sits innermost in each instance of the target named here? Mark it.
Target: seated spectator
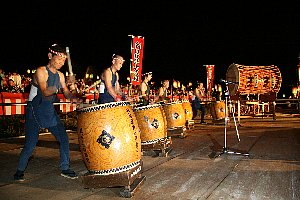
(12, 87)
(2, 76)
(16, 78)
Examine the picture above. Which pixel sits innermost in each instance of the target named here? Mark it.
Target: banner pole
(130, 66)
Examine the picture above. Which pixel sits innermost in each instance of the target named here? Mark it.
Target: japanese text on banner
(210, 77)
(137, 58)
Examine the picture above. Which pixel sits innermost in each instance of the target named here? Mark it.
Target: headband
(57, 53)
(148, 73)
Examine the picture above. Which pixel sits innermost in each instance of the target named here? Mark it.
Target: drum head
(233, 75)
(103, 106)
(253, 79)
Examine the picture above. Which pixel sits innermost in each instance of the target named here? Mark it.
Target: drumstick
(69, 61)
(94, 84)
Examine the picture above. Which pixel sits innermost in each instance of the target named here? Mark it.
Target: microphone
(228, 82)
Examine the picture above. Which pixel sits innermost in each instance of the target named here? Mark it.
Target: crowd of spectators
(14, 82)
(20, 83)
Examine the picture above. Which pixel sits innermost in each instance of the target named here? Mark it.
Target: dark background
(180, 36)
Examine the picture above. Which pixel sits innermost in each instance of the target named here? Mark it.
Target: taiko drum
(188, 111)
(253, 79)
(217, 110)
(151, 123)
(174, 114)
(165, 118)
(109, 137)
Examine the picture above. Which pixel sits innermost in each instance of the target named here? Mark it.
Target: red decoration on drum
(137, 47)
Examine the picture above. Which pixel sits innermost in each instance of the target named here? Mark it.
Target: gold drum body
(109, 137)
(151, 123)
(174, 114)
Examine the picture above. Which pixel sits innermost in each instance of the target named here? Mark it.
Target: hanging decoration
(137, 46)
(209, 77)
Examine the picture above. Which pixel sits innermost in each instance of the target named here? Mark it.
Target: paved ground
(272, 171)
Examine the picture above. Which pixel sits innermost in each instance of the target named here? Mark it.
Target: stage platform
(190, 171)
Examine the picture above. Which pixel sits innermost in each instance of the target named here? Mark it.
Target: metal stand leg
(225, 149)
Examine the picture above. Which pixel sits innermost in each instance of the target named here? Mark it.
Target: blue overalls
(106, 97)
(40, 113)
(147, 92)
(196, 105)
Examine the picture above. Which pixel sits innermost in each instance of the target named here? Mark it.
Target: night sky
(180, 36)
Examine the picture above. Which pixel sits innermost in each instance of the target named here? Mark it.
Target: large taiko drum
(151, 123)
(165, 118)
(188, 111)
(217, 110)
(174, 114)
(253, 79)
(109, 138)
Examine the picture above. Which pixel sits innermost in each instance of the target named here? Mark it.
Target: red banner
(210, 77)
(137, 47)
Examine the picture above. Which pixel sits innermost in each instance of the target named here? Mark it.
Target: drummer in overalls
(110, 90)
(145, 89)
(163, 92)
(197, 102)
(41, 114)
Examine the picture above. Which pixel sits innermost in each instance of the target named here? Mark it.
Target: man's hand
(118, 98)
(71, 79)
(52, 90)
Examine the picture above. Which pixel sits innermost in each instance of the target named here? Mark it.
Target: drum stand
(225, 148)
(161, 148)
(190, 124)
(132, 180)
(177, 131)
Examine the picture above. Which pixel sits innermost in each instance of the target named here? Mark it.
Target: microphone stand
(225, 149)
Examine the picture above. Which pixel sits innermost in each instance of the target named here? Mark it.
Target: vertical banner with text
(137, 46)
(210, 77)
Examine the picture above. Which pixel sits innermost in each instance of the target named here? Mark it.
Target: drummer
(197, 102)
(145, 89)
(110, 90)
(163, 91)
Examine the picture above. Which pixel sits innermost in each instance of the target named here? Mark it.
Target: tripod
(225, 148)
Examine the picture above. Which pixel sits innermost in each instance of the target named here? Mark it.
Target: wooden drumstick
(69, 61)
(94, 84)
(71, 77)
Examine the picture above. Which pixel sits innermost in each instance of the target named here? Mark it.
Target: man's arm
(199, 95)
(143, 91)
(119, 90)
(117, 86)
(161, 92)
(66, 90)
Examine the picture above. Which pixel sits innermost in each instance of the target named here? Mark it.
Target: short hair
(116, 56)
(147, 74)
(57, 50)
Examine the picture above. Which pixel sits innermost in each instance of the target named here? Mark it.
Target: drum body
(165, 119)
(188, 111)
(109, 138)
(174, 114)
(151, 123)
(253, 79)
(217, 110)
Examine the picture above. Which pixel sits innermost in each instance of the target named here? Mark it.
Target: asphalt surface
(196, 168)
